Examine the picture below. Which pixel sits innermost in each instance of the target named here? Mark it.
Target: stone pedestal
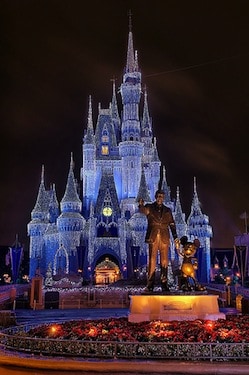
(174, 307)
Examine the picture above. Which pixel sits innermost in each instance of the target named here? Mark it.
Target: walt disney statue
(160, 220)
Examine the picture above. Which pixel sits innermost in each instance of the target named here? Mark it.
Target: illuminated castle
(120, 164)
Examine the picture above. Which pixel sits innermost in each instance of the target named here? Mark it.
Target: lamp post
(228, 290)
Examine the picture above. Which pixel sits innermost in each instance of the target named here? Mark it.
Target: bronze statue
(188, 279)
(160, 219)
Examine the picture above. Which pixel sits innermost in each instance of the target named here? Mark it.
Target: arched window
(105, 142)
(105, 150)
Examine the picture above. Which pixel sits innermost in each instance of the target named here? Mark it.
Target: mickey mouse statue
(188, 280)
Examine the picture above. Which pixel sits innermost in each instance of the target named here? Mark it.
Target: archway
(61, 261)
(107, 270)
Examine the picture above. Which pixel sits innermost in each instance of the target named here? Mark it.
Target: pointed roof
(146, 121)
(143, 191)
(105, 126)
(165, 187)
(42, 202)
(114, 106)
(155, 152)
(179, 215)
(114, 113)
(107, 184)
(53, 198)
(53, 205)
(89, 136)
(130, 60)
(197, 221)
(196, 205)
(71, 195)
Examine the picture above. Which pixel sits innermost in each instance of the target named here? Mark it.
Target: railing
(15, 339)
(69, 303)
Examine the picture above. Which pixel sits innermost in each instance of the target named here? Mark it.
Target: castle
(103, 229)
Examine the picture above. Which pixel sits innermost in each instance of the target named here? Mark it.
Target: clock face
(107, 211)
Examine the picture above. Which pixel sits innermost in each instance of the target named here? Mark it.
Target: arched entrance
(106, 271)
(61, 261)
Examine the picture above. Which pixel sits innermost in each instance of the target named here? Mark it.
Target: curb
(117, 366)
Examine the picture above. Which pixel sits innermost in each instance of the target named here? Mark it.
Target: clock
(107, 211)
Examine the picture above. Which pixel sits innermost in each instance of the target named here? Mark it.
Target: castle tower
(198, 227)
(36, 229)
(51, 233)
(131, 148)
(88, 170)
(166, 188)
(115, 114)
(70, 225)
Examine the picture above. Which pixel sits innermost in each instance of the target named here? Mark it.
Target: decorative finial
(71, 161)
(113, 80)
(195, 190)
(42, 173)
(178, 192)
(130, 22)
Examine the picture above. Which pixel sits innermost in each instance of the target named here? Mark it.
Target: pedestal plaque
(174, 307)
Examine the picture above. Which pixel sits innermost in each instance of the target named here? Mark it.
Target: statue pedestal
(174, 307)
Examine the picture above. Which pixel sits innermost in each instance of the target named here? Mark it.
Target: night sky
(194, 59)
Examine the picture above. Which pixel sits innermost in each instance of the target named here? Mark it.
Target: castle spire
(146, 122)
(143, 191)
(130, 61)
(196, 205)
(42, 201)
(42, 173)
(197, 221)
(53, 206)
(114, 112)
(89, 136)
(155, 153)
(179, 215)
(165, 187)
(198, 227)
(71, 200)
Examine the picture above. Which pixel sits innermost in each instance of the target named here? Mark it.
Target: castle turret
(143, 192)
(53, 208)
(198, 227)
(155, 167)
(181, 225)
(70, 225)
(115, 114)
(88, 170)
(146, 130)
(37, 227)
(166, 188)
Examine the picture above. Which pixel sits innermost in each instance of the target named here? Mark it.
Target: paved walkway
(24, 316)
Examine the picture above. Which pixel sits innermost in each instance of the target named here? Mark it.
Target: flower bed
(233, 329)
(117, 338)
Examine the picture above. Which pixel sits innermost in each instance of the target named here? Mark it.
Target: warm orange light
(93, 331)
(209, 325)
(53, 329)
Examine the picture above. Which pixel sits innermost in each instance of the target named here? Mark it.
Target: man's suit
(160, 219)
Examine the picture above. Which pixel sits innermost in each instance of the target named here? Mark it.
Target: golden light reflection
(54, 329)
(209, 325)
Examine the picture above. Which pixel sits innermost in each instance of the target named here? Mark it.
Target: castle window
(105, 150)
(105, 138)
